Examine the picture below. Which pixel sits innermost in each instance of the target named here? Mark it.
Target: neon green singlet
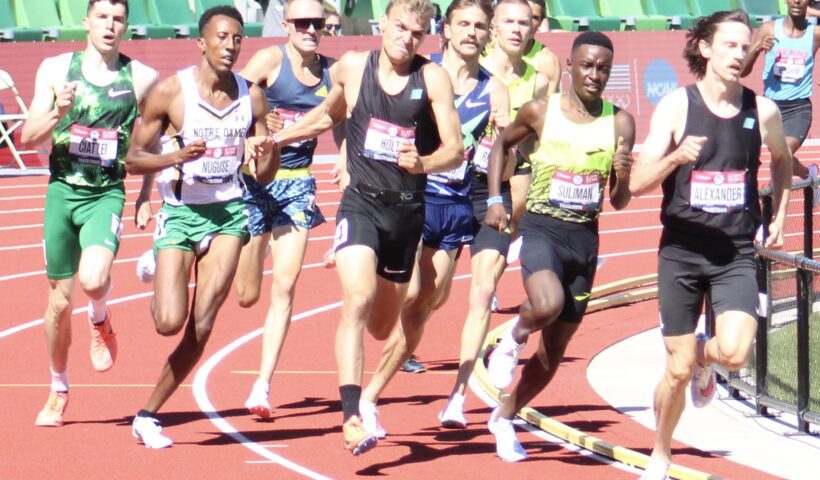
(522, 89)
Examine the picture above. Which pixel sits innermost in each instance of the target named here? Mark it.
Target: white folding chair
(9, 122)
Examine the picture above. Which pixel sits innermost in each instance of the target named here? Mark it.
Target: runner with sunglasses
(295, 79)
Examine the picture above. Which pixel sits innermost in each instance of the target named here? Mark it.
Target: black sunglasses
(305, 23)
(333, 27)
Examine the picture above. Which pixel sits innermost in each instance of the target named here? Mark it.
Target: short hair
(485, 6)
(112, 2)
(288, 3)
(704, 28)
(424, 9)
(225, 10)
(542, 4)
(593, 38)
(331, 10)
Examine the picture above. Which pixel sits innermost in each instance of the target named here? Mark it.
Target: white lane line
(201, 396)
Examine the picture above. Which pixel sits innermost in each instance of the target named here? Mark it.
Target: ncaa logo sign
(659, 78)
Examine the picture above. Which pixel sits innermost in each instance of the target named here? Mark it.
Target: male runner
(86, 102)
(210, 113)
(789, 44)
(704, 149)
(585, 142)
(399, 129)
(448, 222)
(295, 79)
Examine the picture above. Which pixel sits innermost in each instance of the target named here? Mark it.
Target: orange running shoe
(52, 414)
(357, 439)
(103, 344)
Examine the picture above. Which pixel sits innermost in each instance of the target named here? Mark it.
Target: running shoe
(147, 267)
(148, 430)
(506, 444)
(357, 439)
(452, 416)
(494, 305)
(257, 402)
(503, 361)
(370, 419)
(656, 470)
(412, 365)
(704, 381)
(52, 413)
(103, 344)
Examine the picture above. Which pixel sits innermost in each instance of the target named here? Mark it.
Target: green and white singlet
(89, 143)
(572, 164)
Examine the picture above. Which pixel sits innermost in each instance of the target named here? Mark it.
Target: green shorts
(76, 218)
(192, 227)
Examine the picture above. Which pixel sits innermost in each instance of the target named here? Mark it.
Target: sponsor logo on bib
(718, 192)
(383, 139)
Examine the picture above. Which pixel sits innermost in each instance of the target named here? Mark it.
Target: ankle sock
(59, 381)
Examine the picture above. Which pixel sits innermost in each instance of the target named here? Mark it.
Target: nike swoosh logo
(117, 93)
(387, 270)
(109, 242)
(470, 104)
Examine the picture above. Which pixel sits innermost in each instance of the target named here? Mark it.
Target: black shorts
(391, 228)
(686, 276)
(570, 250)
(796, 116)
(484, 237)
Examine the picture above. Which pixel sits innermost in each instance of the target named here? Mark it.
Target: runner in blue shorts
(295, 79)
(448, 223)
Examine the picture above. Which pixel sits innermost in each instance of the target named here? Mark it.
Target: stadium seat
(760, 10)
(9, 122)
(141, 25)
(369, 9)
(584, 14)
(176, 13)
(9, 31)
(252, 29)
(702, 8)
(632, 15)
(43, 14)
(677, 11)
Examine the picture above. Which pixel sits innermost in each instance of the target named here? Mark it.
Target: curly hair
(704, 28)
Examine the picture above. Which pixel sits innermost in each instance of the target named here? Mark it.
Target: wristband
(494, 200)
(276, 141)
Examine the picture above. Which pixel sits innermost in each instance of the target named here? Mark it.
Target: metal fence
(784, 371)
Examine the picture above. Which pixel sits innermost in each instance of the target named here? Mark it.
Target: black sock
(146, 413)
(350, 395)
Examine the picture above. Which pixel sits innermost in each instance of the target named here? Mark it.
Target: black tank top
(713, 202)
(380, 122)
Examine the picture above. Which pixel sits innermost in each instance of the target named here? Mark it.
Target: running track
(214, 436)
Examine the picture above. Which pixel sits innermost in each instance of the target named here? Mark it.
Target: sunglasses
(304, 24)
(333, 27)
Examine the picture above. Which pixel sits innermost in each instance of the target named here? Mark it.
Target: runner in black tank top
(703, 148)
(390, 99)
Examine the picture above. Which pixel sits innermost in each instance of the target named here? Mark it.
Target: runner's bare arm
(144, 79)
(549, 73)
(771, 130)
(762, 42)
(499, 104)
(657, 159)
(451, 152)
(142, 157)
(263, 67)
(52, 100)
(619, 194)
(259, 147)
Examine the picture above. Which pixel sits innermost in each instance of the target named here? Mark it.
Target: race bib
(383, 139)
(790, 65)
(290, 117)
(575, 191)
(481, 159)
(451, 176)
(94, 145)
(217, 166)
(718, 192)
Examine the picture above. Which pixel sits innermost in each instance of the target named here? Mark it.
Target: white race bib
(718, 192)
(290, 117)
(383, 140)
(575, 191)
(94, 145)
(790, 65)
(481, 159)
(218, 165)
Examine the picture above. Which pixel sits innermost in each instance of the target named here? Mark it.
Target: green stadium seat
(252, 29)
(176, 13)
(701, 8)
(677, 11)
(42, 14)
(141, 25)
(367, 9)
(784, 9)
(760, 10)
(632, 15)
(9, 31)
(584, 13)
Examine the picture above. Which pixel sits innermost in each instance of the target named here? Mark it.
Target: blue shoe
(412, 365)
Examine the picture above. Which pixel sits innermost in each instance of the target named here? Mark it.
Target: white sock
(59, 381)
(259, 383)
(97, 308)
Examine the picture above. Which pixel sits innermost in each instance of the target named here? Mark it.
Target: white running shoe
(147, 267)
(704, 382)
(503, 361)
(370, 419)
(257, 402)
(656, 470)
(494, 305)
(452, 416)
(506, 443)
(148, 430)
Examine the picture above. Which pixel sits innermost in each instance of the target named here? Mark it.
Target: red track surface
(96, 441)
